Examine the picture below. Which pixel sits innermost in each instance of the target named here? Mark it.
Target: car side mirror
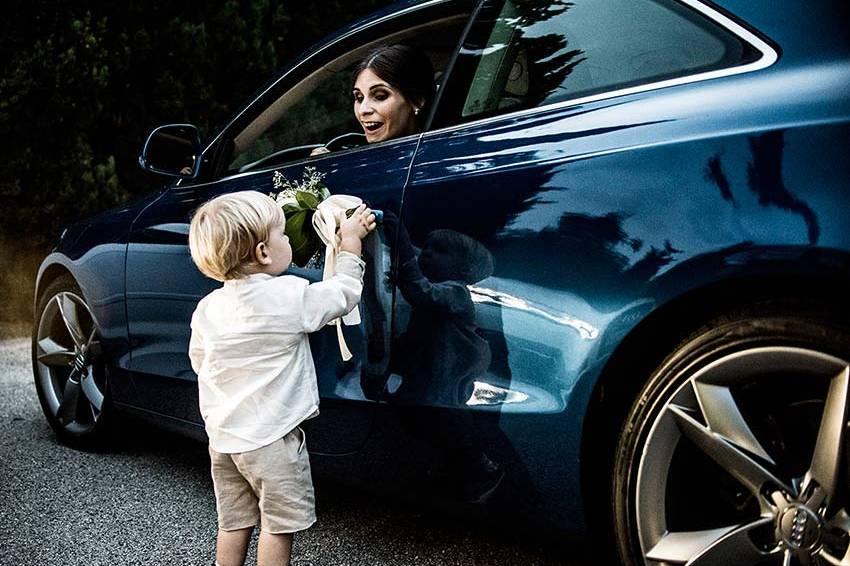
(173, 150)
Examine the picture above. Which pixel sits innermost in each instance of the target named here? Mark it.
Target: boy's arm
(450, 298)
(447, 298)
(334, 297)
(354, 228)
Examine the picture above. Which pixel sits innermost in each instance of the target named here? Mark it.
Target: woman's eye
(381, 96)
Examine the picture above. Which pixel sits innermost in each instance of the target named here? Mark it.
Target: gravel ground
(150, 502)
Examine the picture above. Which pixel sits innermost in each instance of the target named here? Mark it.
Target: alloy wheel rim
(723, 480)
(68, 359)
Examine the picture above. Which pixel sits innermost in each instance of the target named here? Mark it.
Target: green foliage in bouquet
(299, 200)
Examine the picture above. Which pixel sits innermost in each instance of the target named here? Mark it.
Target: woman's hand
(355, 228)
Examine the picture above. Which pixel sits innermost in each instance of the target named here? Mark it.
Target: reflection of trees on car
(595, 246)
(764, 178)
(714, 174)
(548, 58)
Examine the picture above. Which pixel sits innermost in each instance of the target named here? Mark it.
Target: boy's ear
(261, 254)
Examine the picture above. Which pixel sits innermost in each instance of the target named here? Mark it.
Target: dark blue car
(651, 339)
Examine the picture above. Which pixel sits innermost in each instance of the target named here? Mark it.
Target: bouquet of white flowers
(299, 200)
(312, 226)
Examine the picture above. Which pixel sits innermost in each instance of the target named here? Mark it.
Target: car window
(318, 108)
(527, 53)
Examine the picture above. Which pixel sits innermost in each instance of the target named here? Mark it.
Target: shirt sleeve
(334, 297)
(196, 346)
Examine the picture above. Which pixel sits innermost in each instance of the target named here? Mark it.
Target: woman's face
(381, 109)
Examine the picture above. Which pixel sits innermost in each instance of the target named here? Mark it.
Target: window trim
(769, 56)
(312, 159)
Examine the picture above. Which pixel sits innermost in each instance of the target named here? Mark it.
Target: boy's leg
(274, 549)
(286, 499)
(237, 508)
(231, 546)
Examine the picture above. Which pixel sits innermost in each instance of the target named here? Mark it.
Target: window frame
(447, 118)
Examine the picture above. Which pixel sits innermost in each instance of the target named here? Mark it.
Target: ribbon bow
(325, 223)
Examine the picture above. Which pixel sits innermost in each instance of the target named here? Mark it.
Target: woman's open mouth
(372, 127)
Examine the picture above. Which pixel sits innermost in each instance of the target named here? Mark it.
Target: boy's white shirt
(249, 347)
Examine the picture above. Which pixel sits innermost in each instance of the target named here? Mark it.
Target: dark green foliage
(304, 242)
(84, 82)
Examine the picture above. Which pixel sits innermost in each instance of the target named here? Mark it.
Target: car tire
(71, 377)
(736, 449)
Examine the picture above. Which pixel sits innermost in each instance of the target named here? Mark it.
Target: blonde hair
(225, 231)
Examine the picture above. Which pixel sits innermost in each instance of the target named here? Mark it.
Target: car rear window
(527, 53)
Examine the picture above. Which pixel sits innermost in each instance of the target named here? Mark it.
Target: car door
(163, 288)
(272, 140)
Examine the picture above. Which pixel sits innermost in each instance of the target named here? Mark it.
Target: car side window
(316, 110)
(527, 53)
(318, 107)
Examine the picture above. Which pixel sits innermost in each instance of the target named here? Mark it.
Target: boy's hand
(355, 228)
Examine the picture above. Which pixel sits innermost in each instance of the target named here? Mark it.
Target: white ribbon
(325, 223)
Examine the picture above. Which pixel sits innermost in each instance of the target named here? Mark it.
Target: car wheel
(736, 451)
(70, 375)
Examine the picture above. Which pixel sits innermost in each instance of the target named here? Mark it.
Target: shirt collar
(253, 278)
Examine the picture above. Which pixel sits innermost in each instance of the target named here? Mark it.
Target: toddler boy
(256, 377)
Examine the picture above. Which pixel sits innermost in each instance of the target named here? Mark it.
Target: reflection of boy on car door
(441, 354)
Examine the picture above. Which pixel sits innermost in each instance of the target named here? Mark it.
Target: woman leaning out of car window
(391, 88)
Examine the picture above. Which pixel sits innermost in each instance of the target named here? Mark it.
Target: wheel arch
(657, 334)
(49, 272)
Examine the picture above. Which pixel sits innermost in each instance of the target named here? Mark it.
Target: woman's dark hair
(405, 68)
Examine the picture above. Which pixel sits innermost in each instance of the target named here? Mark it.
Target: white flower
(311, 182)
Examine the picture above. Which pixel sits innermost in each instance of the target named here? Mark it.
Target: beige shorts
(270, 486)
